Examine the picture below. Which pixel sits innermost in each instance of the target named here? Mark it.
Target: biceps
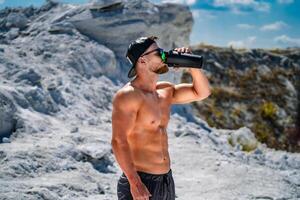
(184, 93)
(122, 124)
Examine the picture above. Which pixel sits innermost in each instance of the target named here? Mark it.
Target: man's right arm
(124, 112)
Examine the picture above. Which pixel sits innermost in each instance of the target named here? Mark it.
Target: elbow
(112, 142)
(208, 93)
(203, 95)
(115, 143)
(118, 146)
(114, 146)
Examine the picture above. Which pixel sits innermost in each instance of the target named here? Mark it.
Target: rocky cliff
(256, 88)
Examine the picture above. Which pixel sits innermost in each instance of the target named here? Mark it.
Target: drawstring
(166, 183)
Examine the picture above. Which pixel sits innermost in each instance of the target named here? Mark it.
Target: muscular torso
(149, 140)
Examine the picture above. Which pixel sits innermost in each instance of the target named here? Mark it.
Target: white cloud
(188, 2)
(236, 44)
(285, 1)
(231, 2)
(2, 1)
(251, 40)
(284, 39)
(238, 5)
(247, 43)
(201, 15)
(274, 27)
(245, 26)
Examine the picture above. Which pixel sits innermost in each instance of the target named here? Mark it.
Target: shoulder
(127, 96)
(164, 84)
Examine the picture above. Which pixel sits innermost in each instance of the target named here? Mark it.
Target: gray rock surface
(105, 20)
(7, 113)
(18, 20)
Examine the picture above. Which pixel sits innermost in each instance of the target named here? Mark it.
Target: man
(141, 111)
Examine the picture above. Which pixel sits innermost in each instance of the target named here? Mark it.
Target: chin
(162, 70)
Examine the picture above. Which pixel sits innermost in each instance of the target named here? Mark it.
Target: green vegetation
(249, 98)
(225, 94)
(262, 131)
(268, 110)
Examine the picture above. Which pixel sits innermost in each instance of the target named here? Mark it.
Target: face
(152, 60)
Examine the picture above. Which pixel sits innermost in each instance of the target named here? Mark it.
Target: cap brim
(131, 72)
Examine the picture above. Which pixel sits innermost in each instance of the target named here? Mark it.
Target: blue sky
(238, 23)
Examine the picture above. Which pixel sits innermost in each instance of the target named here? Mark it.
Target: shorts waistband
(154, 175)
(149, 175)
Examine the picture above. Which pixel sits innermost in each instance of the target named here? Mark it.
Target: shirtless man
(141, 111)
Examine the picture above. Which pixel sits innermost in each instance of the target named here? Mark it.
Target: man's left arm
(189, 92)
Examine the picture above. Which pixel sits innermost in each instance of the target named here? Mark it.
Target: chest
(155, 110)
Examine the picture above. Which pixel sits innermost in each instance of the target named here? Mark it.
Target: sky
(224, 23)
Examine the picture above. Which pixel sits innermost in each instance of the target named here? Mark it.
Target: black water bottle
(178, 59)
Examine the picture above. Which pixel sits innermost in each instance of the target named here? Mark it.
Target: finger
(187, 50)
(149, 194)
(144, 197)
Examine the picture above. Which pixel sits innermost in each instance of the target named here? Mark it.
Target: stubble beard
(162, 69)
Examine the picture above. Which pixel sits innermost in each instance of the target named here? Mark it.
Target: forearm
(200, 82)
(123, 157)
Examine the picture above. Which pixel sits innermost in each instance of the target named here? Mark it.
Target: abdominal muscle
(149, 150)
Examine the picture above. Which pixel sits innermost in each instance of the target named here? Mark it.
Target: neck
(145, 83)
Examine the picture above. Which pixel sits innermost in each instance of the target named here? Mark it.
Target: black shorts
(161, 186)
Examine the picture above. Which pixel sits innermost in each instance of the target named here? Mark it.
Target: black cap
(136, 49)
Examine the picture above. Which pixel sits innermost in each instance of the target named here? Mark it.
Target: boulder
(41, 101)
(7, 113)
(12, 33)
(29, 76)
(18, 20)
(117, 23)
(263, 70)
(243, 137)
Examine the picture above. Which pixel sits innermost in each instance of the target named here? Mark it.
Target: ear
(141, 60)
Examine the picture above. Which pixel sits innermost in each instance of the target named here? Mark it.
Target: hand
(182, 50)
(139, 191)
